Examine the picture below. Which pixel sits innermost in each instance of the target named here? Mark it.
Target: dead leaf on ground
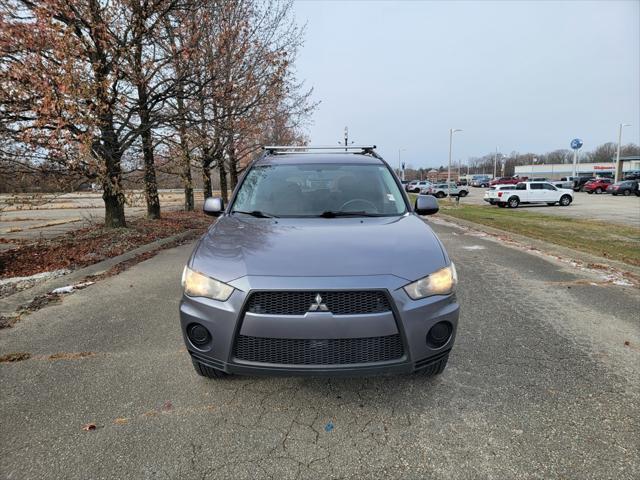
(14, 357)
(167, 406)
(71, 355)
(121, 421)
(88, 427)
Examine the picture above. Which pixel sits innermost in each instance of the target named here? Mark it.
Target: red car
(598, 185)
(507, 180)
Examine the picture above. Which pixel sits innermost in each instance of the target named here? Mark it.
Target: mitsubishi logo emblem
(318, 305)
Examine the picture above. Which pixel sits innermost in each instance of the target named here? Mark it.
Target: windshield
(311, 190)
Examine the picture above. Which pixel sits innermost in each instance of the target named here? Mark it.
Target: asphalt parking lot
(607, 208)
(543, 382)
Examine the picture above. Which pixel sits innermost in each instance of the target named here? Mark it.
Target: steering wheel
(367, 203)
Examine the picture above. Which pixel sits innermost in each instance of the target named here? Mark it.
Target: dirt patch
(71, 355)
(95, 243)
(15, 357)
(8, 322)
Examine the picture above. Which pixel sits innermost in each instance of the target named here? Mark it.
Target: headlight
(442, 282)
(197, 285)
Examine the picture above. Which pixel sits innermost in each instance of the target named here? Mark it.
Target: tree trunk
(150, 182)
(108, 151)
(189, 201)
(206, 177)
(223, 181)
(114, 207)
(233, 167)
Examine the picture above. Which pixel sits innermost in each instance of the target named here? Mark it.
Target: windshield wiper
(256, 213)
(334, 214)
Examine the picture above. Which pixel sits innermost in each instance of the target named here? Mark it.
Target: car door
(551, 193)
(536, 193)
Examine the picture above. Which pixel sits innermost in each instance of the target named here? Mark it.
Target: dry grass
(606, 240)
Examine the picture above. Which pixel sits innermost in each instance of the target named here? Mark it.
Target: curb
(547, 247)
(11, 304)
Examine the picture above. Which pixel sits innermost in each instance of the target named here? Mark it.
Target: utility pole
(400, 165)
(495, 162)
(451, 132)
(618, 166)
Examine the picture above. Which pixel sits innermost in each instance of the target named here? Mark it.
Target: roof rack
(280, 149)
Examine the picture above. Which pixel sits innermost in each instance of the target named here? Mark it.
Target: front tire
(598, 190)
(208, 372)
(463, 193)
(436, 368)
(440, 195)
(626, 193)
(565, 201)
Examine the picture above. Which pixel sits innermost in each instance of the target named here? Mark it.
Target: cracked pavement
(543, 382)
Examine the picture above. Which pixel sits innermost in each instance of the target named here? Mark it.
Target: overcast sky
(524, 76)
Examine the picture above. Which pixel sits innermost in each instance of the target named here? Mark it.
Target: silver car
(319, 266)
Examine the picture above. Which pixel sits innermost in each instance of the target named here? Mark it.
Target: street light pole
(400, 168)
(346, 138)
(451, 132)
(618, 167)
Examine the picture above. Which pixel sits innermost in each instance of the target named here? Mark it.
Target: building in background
(558, 170)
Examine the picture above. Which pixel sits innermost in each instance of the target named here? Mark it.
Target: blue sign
(576, 143)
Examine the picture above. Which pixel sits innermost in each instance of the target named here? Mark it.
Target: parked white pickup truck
(491, 194)
(534, 192)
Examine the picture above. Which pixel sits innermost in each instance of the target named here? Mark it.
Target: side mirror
(213, 206)
(426, 205)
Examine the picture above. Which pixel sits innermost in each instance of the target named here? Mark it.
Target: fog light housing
(439, 334)
(198, 334)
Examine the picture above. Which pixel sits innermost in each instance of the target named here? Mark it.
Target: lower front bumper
(410, 319)
(362, 370)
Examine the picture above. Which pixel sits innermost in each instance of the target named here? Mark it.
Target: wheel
(435, 368)
(589, 192)
(501, 205)
(514, 202)
(551, 204)
(598, 190)
(565, 200)
(208, 372)
(463, 193)
(440, 195)
(626, 193)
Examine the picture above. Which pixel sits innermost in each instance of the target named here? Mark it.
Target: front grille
(338, 303)
(334, 351)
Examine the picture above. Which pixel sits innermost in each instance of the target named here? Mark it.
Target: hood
(312, 247)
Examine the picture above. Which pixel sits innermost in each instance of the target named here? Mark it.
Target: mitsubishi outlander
(319, 265)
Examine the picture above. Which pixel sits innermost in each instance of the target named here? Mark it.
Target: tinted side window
(536, 186)
(548, 186)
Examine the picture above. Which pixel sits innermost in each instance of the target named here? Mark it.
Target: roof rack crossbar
(302, 148)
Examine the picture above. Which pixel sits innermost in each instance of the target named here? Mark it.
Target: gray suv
(319, 266)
